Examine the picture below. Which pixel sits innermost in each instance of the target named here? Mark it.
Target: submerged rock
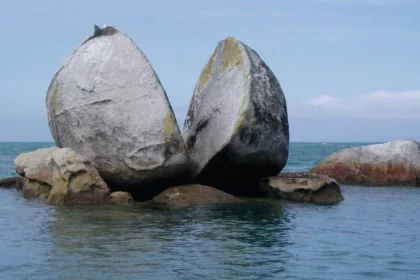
(394, 163)
(302, 187)
(121, 198)
(236, 130)
(12, 183)
(61, 175)
(194, 195)
(107, 104)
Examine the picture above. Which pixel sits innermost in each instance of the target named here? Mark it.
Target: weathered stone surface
(394, 163)
(33, 189)
(12, 183)
(237, 128)
(194, 195)
(34, 165)
(302, 187)
(107, 103)
(62, 175)
(121, 198)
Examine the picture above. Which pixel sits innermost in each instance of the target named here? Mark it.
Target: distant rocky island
(118, 140)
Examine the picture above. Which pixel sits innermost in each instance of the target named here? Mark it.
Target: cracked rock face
(237, 128)
(61, 176)
(107, 103)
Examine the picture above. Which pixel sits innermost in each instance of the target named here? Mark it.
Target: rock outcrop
(394, 163)
(236, 130)
(121, 198)
(61, 176)
(193, 195)
(12, 183)
(302, 187)
(107, 103)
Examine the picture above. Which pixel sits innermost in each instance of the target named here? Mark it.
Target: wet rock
(33, 189)
(121, 198)
(194, 195)
(12, 183)
(107, 104)
(302, 187)
(395, 163)
(236, 130)
(62, 175)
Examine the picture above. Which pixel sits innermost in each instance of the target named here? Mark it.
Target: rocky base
(302, 187)
(194, 195)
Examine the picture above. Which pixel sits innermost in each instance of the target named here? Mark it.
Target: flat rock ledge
(302, 187)
(194, 195)
(12, 183)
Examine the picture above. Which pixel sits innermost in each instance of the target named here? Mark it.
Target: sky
(349, 69)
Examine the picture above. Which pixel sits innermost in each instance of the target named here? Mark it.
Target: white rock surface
(107, 103)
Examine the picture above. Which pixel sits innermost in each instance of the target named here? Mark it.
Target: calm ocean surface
(373, 234)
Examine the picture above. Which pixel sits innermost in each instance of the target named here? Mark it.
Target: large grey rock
(107, 103)
(394, 163)
(237, 125)
(302, 187)
(62, 176)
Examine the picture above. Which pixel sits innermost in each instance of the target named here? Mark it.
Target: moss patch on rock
(205, 74)
(232, 55)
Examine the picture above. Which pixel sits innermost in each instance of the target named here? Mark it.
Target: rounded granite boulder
(395, 163)
(107, 103)
(236, 130)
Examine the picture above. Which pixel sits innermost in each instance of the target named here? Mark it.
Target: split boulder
(107, 103)
(236, 130)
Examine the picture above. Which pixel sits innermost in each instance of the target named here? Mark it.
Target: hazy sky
(350, 69)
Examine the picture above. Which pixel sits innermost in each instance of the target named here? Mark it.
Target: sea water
(372, 234)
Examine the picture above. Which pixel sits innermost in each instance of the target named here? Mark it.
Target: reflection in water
(189, 242)
(373, 234)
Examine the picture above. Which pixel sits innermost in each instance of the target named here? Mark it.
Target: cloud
(323, 100)
(377, 105)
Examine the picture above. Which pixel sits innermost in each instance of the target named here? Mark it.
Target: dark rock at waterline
(395, 163)
(302, 187)
(121, 198)
(236, 130)
(61, 176)
(12, 183)
(107, 103)
(194, 195)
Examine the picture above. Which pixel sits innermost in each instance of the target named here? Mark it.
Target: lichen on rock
(236, 128)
